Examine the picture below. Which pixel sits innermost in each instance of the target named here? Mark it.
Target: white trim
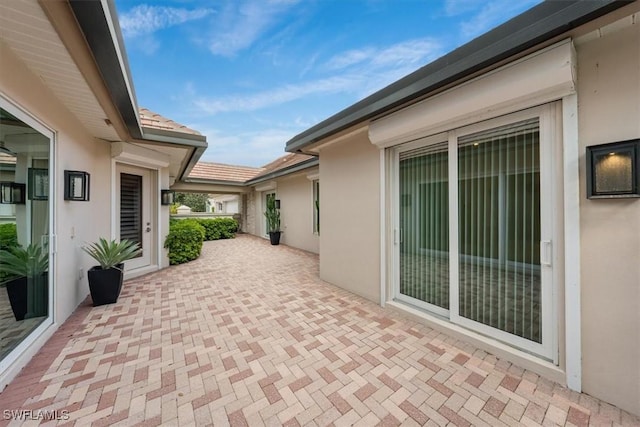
(160, 231)
(139, 156)
(549, 280)
(383, 229)
(17, 359)
(542, 77)
(571, 156)
(271, 185)
(314, 176)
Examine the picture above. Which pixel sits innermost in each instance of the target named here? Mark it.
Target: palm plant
(30, 262)
(110, 253)
(273, 215)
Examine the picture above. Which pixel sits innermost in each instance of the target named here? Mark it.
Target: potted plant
(28, 289)
(273, 221)
(105, 280)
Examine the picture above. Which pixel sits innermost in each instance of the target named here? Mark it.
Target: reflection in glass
(24, 231)
(424, 221)
(499, 229)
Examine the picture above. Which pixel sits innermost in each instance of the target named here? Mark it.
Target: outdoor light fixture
(12, 193)
(613, 170)
(166, 197)
(277, 203)
(76, 186)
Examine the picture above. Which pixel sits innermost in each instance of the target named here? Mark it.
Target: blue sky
(250, 74)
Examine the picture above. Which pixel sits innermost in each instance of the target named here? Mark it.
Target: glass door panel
(499, 229)
(424, 226)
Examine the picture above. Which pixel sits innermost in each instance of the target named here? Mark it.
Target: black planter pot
(274, 236)
(105, 285)
(28, 297)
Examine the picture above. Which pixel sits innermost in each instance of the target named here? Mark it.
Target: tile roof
(288, 160)
(222, 172)
(241, 174)
(153, 120)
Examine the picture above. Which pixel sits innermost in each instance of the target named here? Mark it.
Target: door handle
(545, 253)
(148, 229)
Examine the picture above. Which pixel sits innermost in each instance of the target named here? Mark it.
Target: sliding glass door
(473, 219)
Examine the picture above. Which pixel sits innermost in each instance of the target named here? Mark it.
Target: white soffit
(541, 77)
(25, 28)
(140, 156)
(271, 185)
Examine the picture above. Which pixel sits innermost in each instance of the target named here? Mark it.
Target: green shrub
(184, 241)
(218, 228)
(8, 236)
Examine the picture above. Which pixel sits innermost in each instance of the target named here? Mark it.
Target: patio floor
(249, 335)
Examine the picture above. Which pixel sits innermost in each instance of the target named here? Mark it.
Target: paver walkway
(249, 335)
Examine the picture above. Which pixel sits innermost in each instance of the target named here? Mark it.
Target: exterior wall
(296, 213)
(609, 108)
(350, 216)
(75, 149)
(249, 212)
(295, 193)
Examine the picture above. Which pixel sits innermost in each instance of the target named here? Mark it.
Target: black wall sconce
(76, 186)
(613, 170)
(166, 197)
(12, 193)
(277, 203)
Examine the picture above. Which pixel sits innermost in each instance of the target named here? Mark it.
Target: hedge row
(185, 237)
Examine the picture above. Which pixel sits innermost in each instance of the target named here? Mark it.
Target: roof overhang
(540, 26)
(315, 161)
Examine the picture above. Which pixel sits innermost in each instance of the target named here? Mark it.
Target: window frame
(547, 115)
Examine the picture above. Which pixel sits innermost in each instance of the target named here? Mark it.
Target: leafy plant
(8, 236)
(184, 241)
(196, 201)
(273, 215)
(110, 253)
(218, 228)
(20, 262)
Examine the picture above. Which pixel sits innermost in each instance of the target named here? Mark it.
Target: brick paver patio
(249, 335)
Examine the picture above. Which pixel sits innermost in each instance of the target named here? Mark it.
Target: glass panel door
(424, 227)
(499, 229)
(472, 217)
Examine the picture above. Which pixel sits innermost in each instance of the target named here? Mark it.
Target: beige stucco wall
(350, 216)
(296, 212)
(295, 192)
(76, 222)
(609, 111)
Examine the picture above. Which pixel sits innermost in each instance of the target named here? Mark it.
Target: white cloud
(351, 57)
(240, 24)
(492, 14)
(416, 51)
(145, 19)
(255, 148)
(359, 72)
(278, 96)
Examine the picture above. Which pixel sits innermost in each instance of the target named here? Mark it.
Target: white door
(134, 212)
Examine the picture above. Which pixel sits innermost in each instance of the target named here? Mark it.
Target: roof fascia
(539, 24)
(98, 21)
(285, 171)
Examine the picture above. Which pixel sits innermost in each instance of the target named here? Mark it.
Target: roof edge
(285, 171)
(529, 29)
(99, 24)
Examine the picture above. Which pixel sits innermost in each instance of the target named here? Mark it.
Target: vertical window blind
(499, 228)
(424, 224)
